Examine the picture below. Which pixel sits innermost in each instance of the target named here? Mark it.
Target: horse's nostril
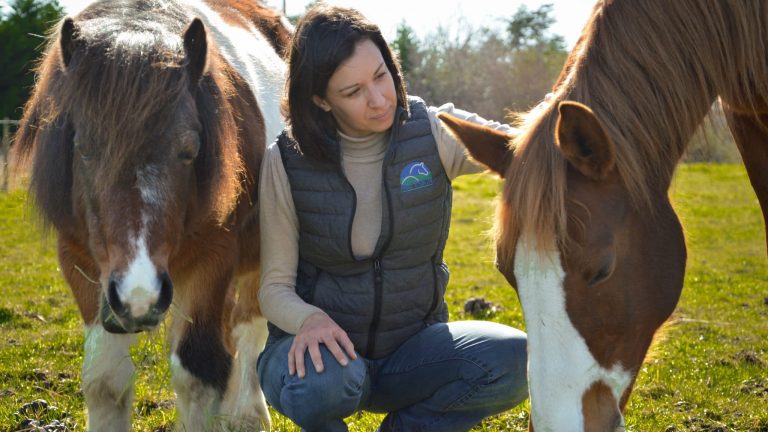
(166, 293)
(113, 298)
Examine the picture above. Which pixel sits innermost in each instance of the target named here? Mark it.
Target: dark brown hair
(325, 37)
(102, 79)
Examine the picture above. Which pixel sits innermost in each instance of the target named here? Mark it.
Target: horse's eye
(86, 153)
(599, 277)
(605, 271)
(189, 150)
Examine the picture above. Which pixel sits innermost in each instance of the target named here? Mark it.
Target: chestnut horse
(145, 135)
(585, 230)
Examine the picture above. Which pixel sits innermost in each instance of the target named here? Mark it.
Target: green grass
(709, 372)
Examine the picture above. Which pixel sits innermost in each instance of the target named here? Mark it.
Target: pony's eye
(189, 150)
(85, 153)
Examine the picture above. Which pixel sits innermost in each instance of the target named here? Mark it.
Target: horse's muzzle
(136, 308)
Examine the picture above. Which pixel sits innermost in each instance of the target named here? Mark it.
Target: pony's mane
(130, 70)
(650, 71)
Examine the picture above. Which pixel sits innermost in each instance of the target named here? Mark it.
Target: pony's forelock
(107, 75)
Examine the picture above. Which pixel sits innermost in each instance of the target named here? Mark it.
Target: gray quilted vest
(383, 300)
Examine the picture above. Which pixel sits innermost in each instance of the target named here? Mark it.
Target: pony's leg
(200, 364)
(108, 379)
(244, 401)
(751, 135)
(107, 376)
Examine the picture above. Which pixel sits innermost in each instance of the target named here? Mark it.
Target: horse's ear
(196, 49)
(583, 141)
(68, 39)
(488, 146)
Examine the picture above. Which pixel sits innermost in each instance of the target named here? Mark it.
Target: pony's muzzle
(138, 307)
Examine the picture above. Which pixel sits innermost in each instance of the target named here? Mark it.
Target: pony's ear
(196, 49)
(68, 39)
(583, 141)
(488, 146)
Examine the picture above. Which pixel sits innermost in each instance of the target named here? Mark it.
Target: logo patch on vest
(414, 176)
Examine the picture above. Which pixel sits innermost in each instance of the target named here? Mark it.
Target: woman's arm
(279, 248)
(279, 260)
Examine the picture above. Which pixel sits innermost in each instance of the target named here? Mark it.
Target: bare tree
(485, 70)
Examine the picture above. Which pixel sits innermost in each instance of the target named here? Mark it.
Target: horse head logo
(415, 175)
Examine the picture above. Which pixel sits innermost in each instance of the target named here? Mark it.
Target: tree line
(23, 30)
(487, 70)
(490, 70)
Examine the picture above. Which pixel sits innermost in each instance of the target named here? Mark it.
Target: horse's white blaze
(254, 59)
(140, 287)
(560, 366)
(196, 402)
(107, 379)
(244, 400)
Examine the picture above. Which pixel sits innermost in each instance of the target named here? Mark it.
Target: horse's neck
(649, 79)
(256, 62)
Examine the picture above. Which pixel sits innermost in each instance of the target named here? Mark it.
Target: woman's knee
(320, 397)
(511, 364)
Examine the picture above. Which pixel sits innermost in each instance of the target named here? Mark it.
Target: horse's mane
(650, 71)
(131, 71)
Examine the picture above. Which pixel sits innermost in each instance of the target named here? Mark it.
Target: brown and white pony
(585, 229)
(145, 135)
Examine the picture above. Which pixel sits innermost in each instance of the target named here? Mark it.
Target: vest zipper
(377, 285)
(340, 166)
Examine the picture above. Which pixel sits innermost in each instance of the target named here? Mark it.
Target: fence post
(5, 146)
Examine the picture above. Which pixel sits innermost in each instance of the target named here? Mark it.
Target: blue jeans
(447, 377)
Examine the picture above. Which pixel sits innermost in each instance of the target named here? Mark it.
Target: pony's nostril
(113, 298)
(166, 293)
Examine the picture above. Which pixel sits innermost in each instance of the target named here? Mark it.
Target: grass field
(708, 373)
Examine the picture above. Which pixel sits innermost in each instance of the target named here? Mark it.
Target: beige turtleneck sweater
(361, 160)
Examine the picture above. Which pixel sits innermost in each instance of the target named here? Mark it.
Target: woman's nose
(375, 98)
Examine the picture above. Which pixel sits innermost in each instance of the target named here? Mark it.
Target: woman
(356, 198)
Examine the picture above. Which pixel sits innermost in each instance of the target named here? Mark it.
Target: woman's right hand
(319, 328)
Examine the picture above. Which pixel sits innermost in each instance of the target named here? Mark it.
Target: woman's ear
(321, 103)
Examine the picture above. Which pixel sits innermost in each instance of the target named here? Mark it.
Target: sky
(424, 16)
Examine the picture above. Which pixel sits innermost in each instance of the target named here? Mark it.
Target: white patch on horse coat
(196, 402)
(252, 56)
(140, 287)
(244, 402)
(153, 186)
(107, 379)
(146, 33)
(560, 366)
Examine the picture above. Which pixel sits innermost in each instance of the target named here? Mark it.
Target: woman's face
(361, 93)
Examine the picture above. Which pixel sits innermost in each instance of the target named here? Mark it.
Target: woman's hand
(319, 328)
